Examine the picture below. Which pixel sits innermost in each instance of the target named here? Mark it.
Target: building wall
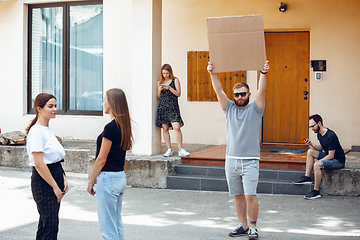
(334, 36)
(117, 64)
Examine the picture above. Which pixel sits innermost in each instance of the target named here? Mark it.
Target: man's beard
(242, 104)
(317, 130)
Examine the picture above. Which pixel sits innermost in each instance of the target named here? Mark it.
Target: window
(66, 55)
(199, 87)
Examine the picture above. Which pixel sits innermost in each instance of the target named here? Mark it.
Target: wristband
(263, 72)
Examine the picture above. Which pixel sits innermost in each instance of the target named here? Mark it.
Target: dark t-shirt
(331, 142)
(116, 158)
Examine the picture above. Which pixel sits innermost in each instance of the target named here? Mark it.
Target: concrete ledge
(13, 156)
(342, 182)
(141, 171)
(146, 171)
(76, 160)
(149, 171)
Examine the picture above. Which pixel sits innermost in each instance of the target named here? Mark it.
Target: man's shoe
(313, 195)
(168, 153)
(239, 231)
(303, 180)
(253, 233)
(183, 152)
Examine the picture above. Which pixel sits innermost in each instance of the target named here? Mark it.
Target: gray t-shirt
(243, 130)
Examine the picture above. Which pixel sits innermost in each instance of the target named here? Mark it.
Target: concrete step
(282, 187)
(196, 182)
(212, 178)
(268, 173)
(202, 170)
(281, 174)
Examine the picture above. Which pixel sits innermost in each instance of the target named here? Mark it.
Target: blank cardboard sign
(236, 43)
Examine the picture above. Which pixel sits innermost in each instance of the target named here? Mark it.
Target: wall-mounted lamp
(282, 7)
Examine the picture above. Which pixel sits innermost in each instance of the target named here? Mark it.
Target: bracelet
(263, 72)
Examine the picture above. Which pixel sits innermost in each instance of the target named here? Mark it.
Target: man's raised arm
(260, 94)
(221, 96)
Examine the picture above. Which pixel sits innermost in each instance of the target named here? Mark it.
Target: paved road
(155, 214)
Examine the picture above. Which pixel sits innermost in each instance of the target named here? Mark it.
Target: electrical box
(318, 65)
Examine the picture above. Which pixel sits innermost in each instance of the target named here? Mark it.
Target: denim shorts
(242, 176)
(329, 164)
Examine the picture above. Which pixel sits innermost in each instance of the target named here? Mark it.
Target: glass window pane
(86, 57)
(46, 52)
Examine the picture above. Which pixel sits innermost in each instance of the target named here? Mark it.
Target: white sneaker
(168, 153)
(183, 152)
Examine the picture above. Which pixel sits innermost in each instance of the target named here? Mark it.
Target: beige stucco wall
(334, 36)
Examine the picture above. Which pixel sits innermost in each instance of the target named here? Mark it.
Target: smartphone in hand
(307, 141)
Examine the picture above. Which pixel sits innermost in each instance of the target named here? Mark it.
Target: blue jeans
(109, 194)
(329, 164)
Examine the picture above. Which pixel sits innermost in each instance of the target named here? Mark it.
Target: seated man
(327, 155)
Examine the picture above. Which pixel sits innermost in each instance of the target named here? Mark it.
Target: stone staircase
(212, 178)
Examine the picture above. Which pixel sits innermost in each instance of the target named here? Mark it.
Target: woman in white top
(48, 181)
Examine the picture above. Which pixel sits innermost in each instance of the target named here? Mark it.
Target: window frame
(65, 58)
(199, 85)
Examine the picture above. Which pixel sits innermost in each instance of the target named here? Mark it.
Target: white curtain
(46, 55)
(86, 57)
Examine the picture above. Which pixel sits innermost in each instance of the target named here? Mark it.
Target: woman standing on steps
(108, 169)
(48, 181)
(168, 111)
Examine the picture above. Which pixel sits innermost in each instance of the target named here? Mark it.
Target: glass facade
(67, 59)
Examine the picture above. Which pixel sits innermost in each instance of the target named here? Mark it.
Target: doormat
(289, 150)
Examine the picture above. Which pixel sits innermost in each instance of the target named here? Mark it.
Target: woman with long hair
(108, 171)
(168, 112)
(48, 181)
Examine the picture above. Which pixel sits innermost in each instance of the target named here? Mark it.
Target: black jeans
(46, 202)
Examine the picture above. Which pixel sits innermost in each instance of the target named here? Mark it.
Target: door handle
(305, 95)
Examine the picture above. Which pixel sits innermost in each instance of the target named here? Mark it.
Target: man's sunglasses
(242, 94)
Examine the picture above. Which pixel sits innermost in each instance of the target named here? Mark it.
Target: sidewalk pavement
(158, 214)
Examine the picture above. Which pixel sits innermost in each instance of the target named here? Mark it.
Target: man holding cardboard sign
(243, 121)
(237, 43)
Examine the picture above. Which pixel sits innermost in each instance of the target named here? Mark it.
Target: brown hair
(317, 118)
(240, 85)
(168, 68)
(40, 101)
(120, 111)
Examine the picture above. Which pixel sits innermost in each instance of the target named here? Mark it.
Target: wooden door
(287, 104)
